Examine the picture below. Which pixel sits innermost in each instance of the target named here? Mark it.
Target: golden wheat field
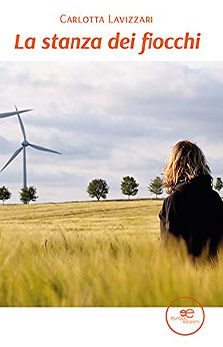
(96, 254)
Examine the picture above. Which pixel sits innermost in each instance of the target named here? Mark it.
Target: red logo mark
(189, 313)
(189, 321)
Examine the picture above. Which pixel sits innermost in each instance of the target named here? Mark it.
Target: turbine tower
(24, 145)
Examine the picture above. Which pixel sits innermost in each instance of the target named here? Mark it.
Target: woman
(193, 211)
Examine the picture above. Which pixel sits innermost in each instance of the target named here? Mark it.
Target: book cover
(111, 172)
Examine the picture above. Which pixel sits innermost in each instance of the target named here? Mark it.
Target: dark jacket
(194, 211)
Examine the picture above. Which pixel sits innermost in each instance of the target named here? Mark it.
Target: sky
(109, 120)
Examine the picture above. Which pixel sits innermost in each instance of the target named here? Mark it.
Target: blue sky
(108, 120)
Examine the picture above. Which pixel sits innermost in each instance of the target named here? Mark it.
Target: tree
(129, 186)
(156, 186)
(219, 184)
(98, 188)
(5, 194)
(28, 194)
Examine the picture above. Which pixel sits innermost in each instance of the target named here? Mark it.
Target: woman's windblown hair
(186, 161)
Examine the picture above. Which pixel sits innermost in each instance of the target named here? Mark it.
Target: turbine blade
(12, 158)
(21, 124)
(9, 114)
(39, 148)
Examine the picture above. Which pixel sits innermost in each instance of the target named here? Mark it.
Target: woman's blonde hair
(185, 162)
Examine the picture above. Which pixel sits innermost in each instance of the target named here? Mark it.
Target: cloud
(108, 120)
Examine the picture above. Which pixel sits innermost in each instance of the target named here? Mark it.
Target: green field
(96, 254)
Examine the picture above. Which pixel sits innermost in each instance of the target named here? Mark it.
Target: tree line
(27, 194)
(99, 189)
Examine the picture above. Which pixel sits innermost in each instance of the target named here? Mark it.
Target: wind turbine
(9, 114)
(24, 144)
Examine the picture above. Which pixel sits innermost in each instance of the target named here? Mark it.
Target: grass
(96, 254)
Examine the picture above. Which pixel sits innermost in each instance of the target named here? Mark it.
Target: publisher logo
(185, 320)
(189, 313)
